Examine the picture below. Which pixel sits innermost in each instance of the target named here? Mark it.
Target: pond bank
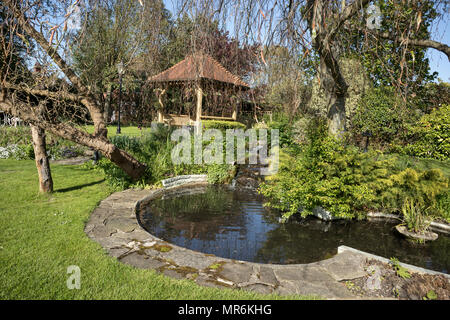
(113, 224)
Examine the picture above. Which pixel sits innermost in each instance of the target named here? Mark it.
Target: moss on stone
(216, 267)
(161, 247)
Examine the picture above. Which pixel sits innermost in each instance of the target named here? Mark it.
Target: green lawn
(424, 164)
(41, 235)
(124, 130)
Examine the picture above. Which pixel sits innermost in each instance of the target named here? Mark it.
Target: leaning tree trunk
(42, 163)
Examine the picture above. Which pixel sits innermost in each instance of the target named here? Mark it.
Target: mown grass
(41, 235)
(405, 161)
(124, 130)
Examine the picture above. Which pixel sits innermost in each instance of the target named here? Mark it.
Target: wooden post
(199, 103)
(42, 163)
(160, 111)
(234, 115)
(160, 116)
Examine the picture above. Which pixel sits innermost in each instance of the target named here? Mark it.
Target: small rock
(149, 243)
(229, 283)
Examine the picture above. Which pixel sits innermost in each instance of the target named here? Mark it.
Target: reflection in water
(234, 224)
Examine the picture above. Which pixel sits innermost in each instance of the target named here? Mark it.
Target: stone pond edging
(184, 179)
(434, 226)
(410, 267)
(113, 224)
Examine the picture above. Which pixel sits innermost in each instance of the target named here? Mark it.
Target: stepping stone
(189, 258)
(339, 291)
(123, 224)
(111, 242)
(173, 274)
(117, 252)
(309, 288)
(137, 234)
(266, 275)
(345, 266)
(286, 288)
(303, 273)
(101, 231)
(236, 272)
(139, 261)
(259, 288)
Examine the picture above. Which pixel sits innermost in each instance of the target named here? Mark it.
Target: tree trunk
(42, 163)
(108, 110)
(337, 117)
(126, 162)
(327, 102)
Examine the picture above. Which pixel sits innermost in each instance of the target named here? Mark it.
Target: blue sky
(438, 61)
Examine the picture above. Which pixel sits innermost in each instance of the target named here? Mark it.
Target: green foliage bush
(443, 206)
(14, 135)
(380, 112)
(414, 216)
(220, 173)
(115, 176)
(154, 149)
(18, 141)
(422, 186)
(222, 125)
(283, 123)
(432, 135)
(17, 151)
(345, 181)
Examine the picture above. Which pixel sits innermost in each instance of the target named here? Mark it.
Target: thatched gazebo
(199, 71)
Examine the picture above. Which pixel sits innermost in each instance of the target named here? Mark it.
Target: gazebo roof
(196, 67)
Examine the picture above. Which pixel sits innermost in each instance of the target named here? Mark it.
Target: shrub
(345, 181)
(422, 186)
(222, 125)
(114, 176)
(220, 173)
(324, 174)
(282, 122)
(17, 151)
(154, 149)
(299, 129)
(381, 113)
(431, 135)
(124, 142)
(443, 206)
(14, 135)
(414, 216)
(15, 142)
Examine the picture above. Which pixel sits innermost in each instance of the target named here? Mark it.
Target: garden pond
(234, 224)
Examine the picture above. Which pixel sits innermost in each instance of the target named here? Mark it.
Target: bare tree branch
(88, 101)
(27, 113)
(40, 39)
(425, 43)
(57, 95)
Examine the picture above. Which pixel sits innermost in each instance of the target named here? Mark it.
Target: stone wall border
(434, 226)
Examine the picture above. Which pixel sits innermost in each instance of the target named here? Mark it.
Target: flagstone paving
(113, 225)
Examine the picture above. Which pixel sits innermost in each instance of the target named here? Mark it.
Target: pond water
(234, 224)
